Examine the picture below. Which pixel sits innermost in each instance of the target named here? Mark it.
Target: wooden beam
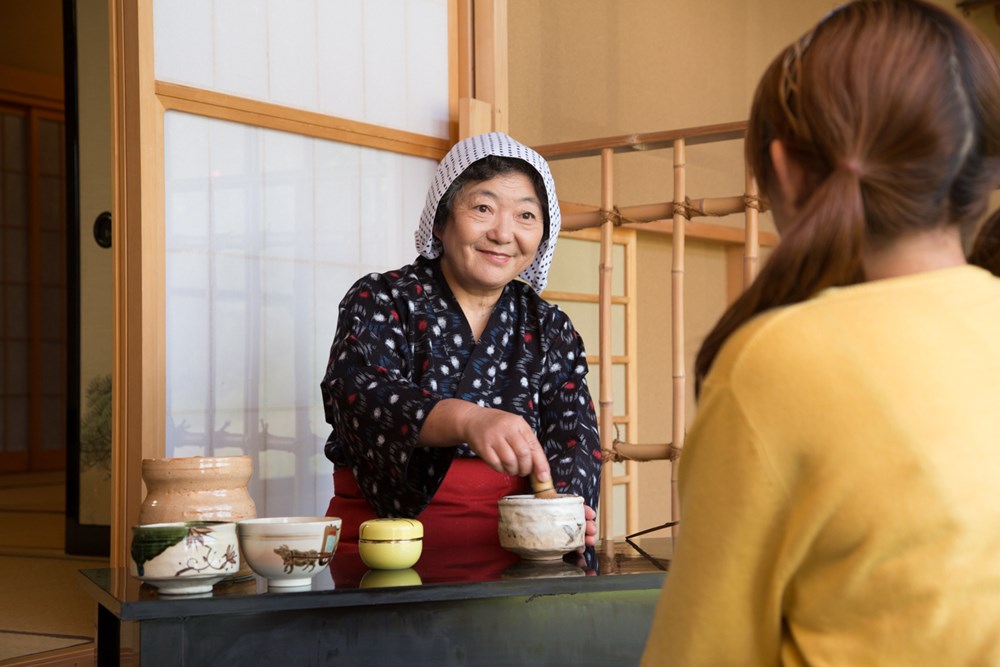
(307, 123)
(704, 134)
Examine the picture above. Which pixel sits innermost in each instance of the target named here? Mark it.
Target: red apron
(462, 516)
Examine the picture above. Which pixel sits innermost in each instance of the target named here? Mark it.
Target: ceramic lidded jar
(198, 488)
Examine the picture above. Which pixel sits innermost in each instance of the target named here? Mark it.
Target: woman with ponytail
(837, 490)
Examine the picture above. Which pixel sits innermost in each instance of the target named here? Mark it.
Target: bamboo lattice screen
(674, 217)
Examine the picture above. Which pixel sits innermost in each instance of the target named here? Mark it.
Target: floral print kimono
(403, 344)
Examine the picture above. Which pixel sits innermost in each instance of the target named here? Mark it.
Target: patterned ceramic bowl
(184, 558)
(541, 528)
(289, 551)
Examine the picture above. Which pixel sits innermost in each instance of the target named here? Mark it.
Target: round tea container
(390, 544)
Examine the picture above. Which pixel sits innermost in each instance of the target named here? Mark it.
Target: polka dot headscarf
(458, 159)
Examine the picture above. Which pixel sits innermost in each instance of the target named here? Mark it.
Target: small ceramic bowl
(390, 544)
(289, 551)
(541, 528)
(184, 558)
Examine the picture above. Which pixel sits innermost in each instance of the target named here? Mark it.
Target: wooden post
(606, 416)
(474, 117)
(677, 318)
(491, 62)
(139, 405)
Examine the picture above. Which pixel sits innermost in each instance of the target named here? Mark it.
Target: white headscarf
(458, 159)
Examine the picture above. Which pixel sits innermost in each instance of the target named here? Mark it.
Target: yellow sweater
(840, 488)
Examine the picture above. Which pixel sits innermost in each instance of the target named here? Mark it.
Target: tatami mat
(33, 492)
(15, 645)
(43, 595)
(42, 605)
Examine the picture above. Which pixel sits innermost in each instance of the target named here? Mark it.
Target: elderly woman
(449, 380)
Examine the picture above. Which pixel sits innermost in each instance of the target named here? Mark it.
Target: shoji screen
(265, 230)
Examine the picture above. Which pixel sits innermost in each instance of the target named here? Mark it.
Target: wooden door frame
(138, 106)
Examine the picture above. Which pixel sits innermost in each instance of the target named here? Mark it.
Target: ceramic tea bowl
(184, 558)
(289, 551)
(541, 528)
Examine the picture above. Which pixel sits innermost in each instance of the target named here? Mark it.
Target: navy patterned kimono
(403, 344)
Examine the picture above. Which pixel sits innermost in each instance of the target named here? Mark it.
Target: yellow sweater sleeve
(838, 487)
(721, 605)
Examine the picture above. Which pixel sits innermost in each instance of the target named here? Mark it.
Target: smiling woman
(490, 235)
(449, 380)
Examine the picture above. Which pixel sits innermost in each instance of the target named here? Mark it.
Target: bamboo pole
(677, 318)
(631, 379)
(606, 416)
(752, 248)
(710, 206)
(631, 452)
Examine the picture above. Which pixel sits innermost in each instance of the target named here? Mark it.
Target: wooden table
(510, 613)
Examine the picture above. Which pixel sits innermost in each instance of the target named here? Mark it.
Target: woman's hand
(590, 534)
(503, 440)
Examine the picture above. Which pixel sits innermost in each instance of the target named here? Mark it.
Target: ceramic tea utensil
(199, 488)
(184, 558)
(543, 489)
(390, 544)
(289, 551)
(541, 529)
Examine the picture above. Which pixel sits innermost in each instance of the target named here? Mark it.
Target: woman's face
(492, 233)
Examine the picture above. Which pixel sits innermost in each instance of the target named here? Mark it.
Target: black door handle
(102, 229)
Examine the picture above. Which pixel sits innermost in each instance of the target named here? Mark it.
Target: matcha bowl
(289, 551)
(184, 558)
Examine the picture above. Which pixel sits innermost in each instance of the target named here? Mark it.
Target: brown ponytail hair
(986, 250)
(892, 110)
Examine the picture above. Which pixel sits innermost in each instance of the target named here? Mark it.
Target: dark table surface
(460, 574)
